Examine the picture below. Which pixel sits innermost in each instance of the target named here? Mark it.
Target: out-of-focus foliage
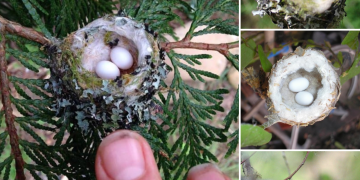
(254, 135)
(319, 165)
(352, 20)
(249, 21)
(352, 41)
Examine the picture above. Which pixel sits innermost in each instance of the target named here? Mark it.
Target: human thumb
(125, 155)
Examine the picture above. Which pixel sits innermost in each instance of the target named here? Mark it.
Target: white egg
(304, 98)
(107, 70)
(298, 84)
(149, 49)
(121, 57)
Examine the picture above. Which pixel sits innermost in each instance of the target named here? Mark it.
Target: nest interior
(105, 41)
(288, 97)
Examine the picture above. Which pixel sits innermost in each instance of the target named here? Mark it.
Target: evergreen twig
(29, 33)
(222, 48)
(9, 117)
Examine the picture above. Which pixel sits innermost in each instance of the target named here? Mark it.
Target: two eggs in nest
(120, 59)
(299, 85)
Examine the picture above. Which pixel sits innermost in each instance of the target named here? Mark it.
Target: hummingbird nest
(121, 102)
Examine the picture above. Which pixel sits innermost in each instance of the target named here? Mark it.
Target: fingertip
(151, 166)
(100, 172)
(125, 155)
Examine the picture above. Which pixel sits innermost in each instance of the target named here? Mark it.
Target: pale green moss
(107, 37)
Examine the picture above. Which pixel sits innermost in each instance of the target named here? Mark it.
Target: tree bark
(9, 117)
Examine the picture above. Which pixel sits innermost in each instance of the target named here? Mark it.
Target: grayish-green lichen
(299, 14)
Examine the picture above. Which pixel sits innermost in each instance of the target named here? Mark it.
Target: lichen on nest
(308, 14)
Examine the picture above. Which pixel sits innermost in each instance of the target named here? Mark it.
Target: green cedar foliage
(73, 152)
(60, 17)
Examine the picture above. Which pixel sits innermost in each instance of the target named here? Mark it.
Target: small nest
(120, 102)
(324, 86)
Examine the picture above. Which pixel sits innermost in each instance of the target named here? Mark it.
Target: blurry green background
(248, 21)
(340, 165)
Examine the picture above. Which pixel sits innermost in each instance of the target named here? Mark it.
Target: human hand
(126, 155)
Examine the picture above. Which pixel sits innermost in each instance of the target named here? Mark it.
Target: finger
(206, 172)
(125, 155)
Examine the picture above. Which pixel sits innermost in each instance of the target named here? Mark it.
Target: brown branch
(187, 38)
(222, 48)
(31, 34)
(303, 162)
(28, 33)
(248, 157)
(9, 117)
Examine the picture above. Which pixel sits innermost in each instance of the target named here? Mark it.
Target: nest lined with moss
(303, 14)
(117, 103)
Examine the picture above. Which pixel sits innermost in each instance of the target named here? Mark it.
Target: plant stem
(287, 164)
(303, 162)
(294, 137)
(9, 117)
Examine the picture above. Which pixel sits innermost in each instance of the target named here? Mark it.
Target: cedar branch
(31, 34)
(28, 33)
(9, 117)
(222, 48)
